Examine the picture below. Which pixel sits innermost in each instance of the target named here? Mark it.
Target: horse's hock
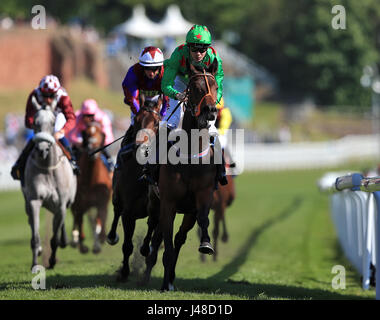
(27, 55)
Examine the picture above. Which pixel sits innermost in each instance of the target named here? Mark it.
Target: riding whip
(102, 148)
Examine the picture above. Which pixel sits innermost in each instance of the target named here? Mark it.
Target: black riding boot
(220, 168)
(17, 171)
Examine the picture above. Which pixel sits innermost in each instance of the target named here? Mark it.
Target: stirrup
(75, 167)
(15, 172)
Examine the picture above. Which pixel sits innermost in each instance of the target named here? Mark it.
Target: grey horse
(49, 183)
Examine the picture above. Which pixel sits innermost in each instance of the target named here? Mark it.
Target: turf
(282, 245)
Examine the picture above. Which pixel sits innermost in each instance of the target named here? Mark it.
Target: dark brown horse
(93, 191)
(188, 188)
(130, 193)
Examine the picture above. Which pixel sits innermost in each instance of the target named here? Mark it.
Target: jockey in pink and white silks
(92, 112)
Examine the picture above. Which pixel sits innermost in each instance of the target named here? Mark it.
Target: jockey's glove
(181, 96)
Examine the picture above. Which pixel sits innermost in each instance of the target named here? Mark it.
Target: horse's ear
(160, 100)
(141, 99)
(213, 68)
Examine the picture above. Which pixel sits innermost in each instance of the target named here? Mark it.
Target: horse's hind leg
(203, 207)
(218, 216)
(63, 240)
(113, 237)
(151, 259)
(188, 222)
(167, 215)
(58, 221)
(145, 248)
(33, 210)
(129, 228)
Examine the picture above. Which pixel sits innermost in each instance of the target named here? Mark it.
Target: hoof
(83, 249)
(225, 237)
(74, 244)
(121, 276)
(63, 245)
(52, 263)
(206, 248)
(112, 241)
(96, 250)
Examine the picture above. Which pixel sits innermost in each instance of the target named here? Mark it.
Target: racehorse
(49, 183)
(94, 189)
(188, 188)
(130, 193)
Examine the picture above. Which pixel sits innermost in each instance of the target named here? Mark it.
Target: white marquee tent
(140, 26)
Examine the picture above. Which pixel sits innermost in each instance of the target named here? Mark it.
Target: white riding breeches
(175, 118)
(60, 121)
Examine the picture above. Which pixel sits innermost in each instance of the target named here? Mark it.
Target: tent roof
(173, 23)
(139, 25)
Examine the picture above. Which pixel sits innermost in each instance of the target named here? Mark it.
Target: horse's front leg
(129, 224)
(33, 211)
(167, 215)
(58, 221)
(203, 201)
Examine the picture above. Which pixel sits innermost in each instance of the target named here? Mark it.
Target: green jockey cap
(199, 35)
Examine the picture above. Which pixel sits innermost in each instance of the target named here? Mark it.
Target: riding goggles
(198, 48)
(154, 69)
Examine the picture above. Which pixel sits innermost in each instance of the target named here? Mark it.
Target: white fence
(354, 204)
(309, 155)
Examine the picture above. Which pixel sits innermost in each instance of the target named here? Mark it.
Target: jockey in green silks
(198, 51)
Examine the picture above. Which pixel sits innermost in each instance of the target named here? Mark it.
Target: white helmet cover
(151, 57)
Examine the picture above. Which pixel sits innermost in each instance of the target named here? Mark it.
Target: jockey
(90, 112)
(197, 51)
(145, 78)
(51, 93)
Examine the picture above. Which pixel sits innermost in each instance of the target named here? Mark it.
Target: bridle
(197, 110)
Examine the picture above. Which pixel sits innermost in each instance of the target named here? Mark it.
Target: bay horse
(94, 189)
(49, 183)
(130, 192)
(188, 188)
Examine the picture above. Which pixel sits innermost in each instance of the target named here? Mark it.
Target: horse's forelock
(43, 137)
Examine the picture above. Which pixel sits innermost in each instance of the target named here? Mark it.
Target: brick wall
(26, 55)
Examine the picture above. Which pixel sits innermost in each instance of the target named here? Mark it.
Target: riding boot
(73, 160)
(17, 171)
(220, 168)
(222, 177)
